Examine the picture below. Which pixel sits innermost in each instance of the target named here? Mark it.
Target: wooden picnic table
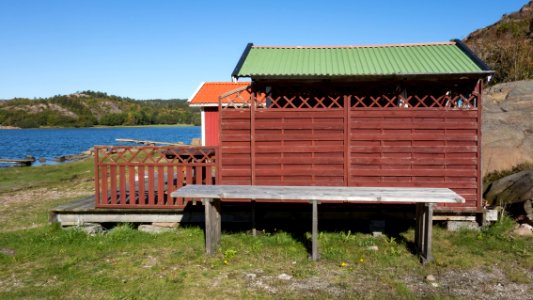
(424, 198)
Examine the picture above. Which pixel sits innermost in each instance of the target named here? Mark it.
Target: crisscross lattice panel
(460, 102)
(144, 177)
(302, 97)
(391, 95)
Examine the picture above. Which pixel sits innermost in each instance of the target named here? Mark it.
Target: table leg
(314, 243)
(212, 225)
(424, 231)
(254, 229)
(419, 226)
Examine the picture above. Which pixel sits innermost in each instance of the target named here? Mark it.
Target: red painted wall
(212, 126)
(383, 147)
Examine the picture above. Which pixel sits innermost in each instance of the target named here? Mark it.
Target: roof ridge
(361, 46)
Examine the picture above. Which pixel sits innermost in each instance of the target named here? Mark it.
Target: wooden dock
(83, 211)
(152, 143)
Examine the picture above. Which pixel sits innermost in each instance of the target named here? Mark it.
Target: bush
(495, 175)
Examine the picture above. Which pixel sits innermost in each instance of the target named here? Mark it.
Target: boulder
(515, 188)
(166, 224)
(91, 229)
(523, 230)
(153, 229)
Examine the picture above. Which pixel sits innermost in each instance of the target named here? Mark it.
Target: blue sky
(165, 49)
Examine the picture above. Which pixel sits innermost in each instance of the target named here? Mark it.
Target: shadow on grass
(295, 220)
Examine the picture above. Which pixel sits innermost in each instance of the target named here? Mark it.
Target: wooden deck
(84, 211)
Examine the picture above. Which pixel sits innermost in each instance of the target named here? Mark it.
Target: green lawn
(15, 179)
(48, 262)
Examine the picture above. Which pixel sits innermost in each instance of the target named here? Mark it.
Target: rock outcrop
(507, 125)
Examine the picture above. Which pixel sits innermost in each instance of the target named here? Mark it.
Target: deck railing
(144, 177)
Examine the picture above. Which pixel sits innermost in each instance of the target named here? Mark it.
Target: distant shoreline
(103, 126)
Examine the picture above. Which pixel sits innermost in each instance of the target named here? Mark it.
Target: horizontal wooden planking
(452, 114)
(299, 181)
(465, 149)
(235, 114)
(409, 124)
(235, 131)
(406, 136)
(304, 149)
(412, 167)
(376, 181)
(236, 180)
(230, 123)
(463, 207)
(412, 172)
(234, 172)
(300, 160)
(225, 154)
(317, 136)
(226, 137)
(300, 124)
(324, 170)
(236, 144)
(231, 156)
(423, 148)
(309, 132)
(413, 161)
(408, 155)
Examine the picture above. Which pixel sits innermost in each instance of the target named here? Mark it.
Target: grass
(15, 179)
(48, 262)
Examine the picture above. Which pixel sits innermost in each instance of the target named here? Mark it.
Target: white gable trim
(202, 113)
(196, 92)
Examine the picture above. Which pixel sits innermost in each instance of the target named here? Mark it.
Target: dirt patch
(478, 283)
(41, 194)
(26, 209)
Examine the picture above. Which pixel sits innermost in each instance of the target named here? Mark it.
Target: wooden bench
(424, 198)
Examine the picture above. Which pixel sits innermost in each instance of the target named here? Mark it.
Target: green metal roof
(353, 61)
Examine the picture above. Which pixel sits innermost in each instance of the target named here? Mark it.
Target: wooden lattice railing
(371, 98)
(144, 177)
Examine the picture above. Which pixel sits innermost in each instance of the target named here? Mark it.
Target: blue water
(52, 143)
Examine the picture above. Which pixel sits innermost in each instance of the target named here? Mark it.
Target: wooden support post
(212, 225)
(418, 226)
(314, 239)
(428, 233)
(424, 231)
(254, 229)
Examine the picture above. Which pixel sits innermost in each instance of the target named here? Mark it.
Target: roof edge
(473, 56)
(238, 67)
(196, 92)
(359, 46)
(369, 76)
(203, 105)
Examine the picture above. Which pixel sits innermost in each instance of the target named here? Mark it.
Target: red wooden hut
(405, 115)
(206, 98)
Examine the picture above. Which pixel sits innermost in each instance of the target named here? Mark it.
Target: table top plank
(321, 193)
